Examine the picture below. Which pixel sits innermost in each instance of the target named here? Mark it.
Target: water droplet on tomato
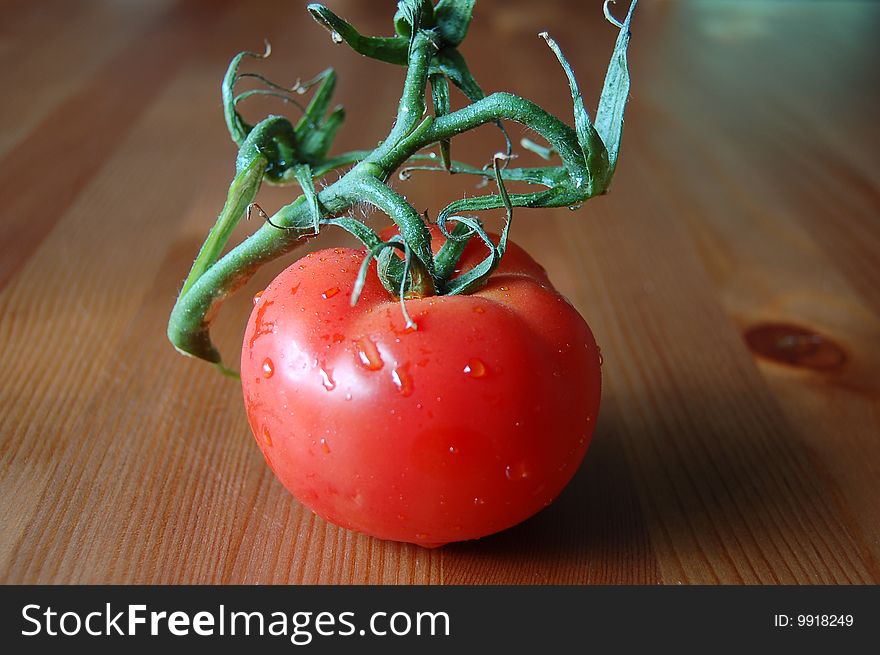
(348, 396)
(368, 354)
(267, 437)
(324, 445)
(475, 368)
(479, 501)
(403, 380)
(601, 359)
(257, 296)
(268, 368)
(329, 293)
(453, 450)
(327, 378)
(421, 536)
(517, 471)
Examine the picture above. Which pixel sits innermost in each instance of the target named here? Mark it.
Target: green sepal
(479, 274)
(595, 154)
(390, 271)
(237, 126)
(318, 105)
(450, 62)
(615, 91)
(316, 143)
(390, 268)
(393, 50)
(357, 229)
(372, 242)
(409, 12)
(303, 175)
(450, 252)
(274, 139)
(453, 17)
(409, 223)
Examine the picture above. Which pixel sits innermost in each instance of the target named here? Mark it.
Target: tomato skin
(462, 428)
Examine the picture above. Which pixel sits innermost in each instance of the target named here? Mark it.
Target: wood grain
(746, 200)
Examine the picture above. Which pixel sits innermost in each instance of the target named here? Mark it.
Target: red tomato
(464, 427)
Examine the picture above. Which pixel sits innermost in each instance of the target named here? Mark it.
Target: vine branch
(278, 152)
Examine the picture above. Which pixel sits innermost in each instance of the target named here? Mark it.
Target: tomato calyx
(410, 278)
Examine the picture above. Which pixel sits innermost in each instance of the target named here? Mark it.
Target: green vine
(278, 152)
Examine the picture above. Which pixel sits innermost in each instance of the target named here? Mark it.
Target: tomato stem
(277, 152)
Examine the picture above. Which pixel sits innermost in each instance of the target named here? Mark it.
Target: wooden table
(732, 279)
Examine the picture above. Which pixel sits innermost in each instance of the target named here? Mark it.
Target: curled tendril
(611, 19)
(284, 95)
(265, 80)
(407, 268)
(505, 198)
(301, 87)
(255, 207)
(456, 241)
(398, 243)
(267, 51)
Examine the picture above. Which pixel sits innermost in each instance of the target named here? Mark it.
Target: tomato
(461, 428)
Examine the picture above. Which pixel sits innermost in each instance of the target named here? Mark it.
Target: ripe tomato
(464, 427)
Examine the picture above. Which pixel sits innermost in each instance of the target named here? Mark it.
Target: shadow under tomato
(591, 534)
(724, 487)
(732, 492)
